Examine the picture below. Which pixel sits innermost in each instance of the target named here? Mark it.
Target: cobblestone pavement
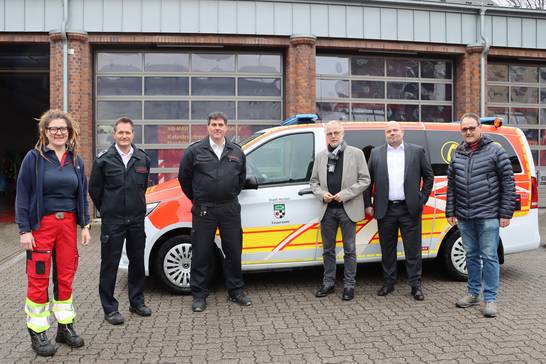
(287, 323)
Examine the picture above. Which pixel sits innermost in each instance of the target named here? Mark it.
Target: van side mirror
(251, 183)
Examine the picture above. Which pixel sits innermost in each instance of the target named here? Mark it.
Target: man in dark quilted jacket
(480, 200)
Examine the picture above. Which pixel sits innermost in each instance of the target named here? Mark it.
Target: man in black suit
(396, 170)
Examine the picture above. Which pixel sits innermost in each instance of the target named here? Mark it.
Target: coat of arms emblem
(279, 210)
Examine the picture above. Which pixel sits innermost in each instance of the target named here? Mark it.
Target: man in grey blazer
(340, 175)
(396, 170)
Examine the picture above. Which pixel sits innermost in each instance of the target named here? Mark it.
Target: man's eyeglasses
(334, 133)
(55, 130)
(468, 129)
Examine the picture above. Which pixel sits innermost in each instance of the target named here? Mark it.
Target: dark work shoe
(348, 294)
(385, 290)
(242, 299)
(67, 335)
(114, 318)
(417, 293)
(199, 305)
(40, 343)
(141, 310)
(324, 291)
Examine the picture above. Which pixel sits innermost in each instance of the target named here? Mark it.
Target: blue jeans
(481, 241)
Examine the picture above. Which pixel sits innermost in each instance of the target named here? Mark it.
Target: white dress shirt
(217, 148)
(125, 157)
(395, 166)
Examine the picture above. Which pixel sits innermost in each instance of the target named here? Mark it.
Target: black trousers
(398, 217)
(112, 238)
(205, 220)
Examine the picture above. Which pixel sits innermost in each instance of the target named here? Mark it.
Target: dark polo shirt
(60, 184)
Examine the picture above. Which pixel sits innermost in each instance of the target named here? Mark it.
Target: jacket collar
(227, 146)
(112, 150)
(465, 148)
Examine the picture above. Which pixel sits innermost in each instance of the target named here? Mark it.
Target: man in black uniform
(212, 174)
(117, 185)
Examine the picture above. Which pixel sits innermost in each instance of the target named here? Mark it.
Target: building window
(517, 92)
(169, 95)
(370, 88)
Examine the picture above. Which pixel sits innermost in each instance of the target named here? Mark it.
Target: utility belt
(203, 207)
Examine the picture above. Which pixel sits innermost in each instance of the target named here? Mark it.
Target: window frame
(285, 183)
(419, 101)
(138, 58)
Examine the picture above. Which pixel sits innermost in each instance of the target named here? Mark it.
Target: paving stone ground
(287, 324)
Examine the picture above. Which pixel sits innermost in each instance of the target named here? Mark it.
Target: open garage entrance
(24, 96)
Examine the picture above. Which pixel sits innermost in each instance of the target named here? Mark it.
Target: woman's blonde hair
(73, 132)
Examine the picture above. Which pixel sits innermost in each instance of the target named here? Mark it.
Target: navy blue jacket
(29, 202)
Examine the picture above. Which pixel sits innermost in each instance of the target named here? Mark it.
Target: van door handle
(305, 191)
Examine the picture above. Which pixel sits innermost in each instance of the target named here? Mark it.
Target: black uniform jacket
(116, 191)
(206, 179)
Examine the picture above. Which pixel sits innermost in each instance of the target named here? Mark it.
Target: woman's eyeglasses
(54, 130)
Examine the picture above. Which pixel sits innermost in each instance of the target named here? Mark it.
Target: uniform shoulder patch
(143, 151)
(101, 153)
(236, 145)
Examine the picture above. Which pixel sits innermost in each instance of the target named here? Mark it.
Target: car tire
(172, 264)
(454, 257)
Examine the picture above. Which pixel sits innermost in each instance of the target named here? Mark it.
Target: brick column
(55, 71)
(467, 82)
(300, 80)
(79, 86)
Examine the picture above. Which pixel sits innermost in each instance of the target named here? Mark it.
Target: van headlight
(150, 207)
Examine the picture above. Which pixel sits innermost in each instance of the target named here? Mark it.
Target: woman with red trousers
(51, 201)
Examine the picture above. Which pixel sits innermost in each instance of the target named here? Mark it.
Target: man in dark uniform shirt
(212, 174)
(117, 186)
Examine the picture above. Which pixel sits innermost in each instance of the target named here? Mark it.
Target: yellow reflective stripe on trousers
(37, 315)
(64, 311)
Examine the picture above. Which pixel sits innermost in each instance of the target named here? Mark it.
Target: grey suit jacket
(354, 181)
(416, 168)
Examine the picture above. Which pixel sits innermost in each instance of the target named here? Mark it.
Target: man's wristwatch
(23, 232)
(88, 226)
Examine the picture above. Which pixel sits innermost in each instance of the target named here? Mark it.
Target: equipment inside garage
(24, 96)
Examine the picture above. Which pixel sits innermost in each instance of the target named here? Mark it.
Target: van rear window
(443, 143)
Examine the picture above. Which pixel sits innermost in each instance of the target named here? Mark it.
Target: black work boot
(40, 343)
(67, 335)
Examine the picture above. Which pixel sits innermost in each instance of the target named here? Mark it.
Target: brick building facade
(307, 38)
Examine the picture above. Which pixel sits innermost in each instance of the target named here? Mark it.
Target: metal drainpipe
(483, 58)
(65, 55)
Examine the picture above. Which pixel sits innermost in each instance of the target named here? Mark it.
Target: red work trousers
(56, 247)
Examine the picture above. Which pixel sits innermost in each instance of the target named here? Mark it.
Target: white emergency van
(280, 215)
